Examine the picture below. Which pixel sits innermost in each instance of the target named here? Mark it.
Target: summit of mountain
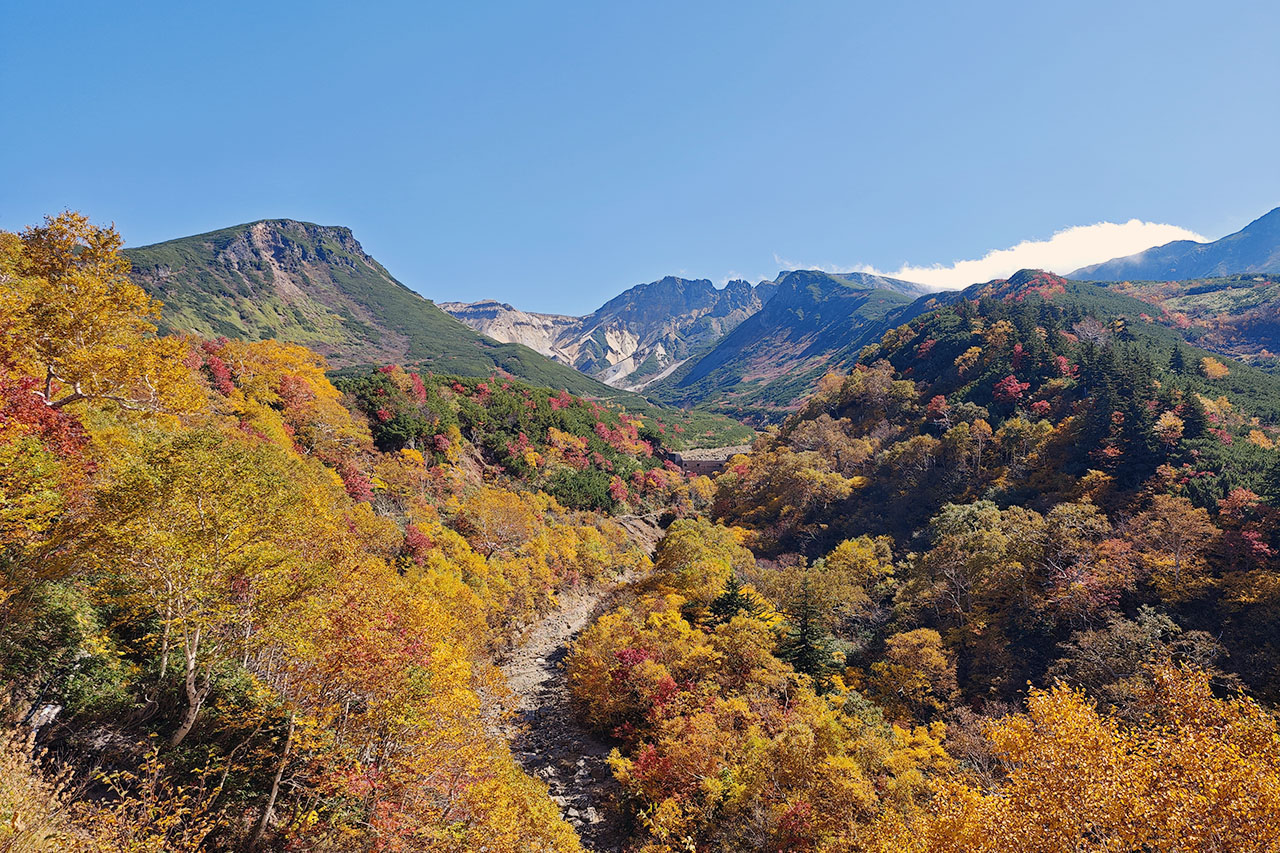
(315, 285)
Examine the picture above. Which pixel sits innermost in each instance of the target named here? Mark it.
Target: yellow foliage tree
(917, 678)
(1200, 774)
(75, 321)
(1214, 369)
(196, 528)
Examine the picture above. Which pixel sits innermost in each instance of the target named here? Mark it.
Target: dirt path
(548, 741)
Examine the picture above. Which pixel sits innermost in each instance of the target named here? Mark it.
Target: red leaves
(358, 486)
(419, 390)
(1239, 505)
(1009, 390)
(417, 544)
(1247, 548)
(518, 447)
(629, 658)
(220, 374)
(60, 431)
(618, 490)
(295, 392)
(625, 438)
(650, 765)
(797, 828)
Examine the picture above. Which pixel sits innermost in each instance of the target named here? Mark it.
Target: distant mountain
(633, 339)
(504, 322)
(314, 285)
(1253, 249)
(767, 365)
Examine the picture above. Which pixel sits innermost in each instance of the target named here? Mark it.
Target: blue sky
(552, 154)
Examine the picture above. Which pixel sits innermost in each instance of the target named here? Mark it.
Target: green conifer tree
(1271, 484)
(730, 603)
(806, 645)
(1195, 421)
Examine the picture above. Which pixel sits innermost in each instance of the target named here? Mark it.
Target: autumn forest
(1007, 581)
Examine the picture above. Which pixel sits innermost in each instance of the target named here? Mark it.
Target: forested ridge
(1008, 584)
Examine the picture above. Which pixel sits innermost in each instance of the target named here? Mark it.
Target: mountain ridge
(635, 337)
(815, 322)
(1253, 249)
(315, 285)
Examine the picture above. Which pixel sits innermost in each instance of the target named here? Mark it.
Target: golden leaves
(1201, 773)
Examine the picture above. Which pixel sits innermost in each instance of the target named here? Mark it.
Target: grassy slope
(350, 308)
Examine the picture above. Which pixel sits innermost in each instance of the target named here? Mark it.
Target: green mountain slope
(1236, 315)
(817, 321)
(314, 285)
(1066, 378)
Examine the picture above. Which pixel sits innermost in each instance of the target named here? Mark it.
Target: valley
(308, 563)
(640, 428)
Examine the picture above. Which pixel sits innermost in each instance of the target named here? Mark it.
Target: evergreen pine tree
(806, 645)
(1048, 319)
(1195, 421)
(730, 603)
(1271, 484)
(1098, 376)
(1177, 361)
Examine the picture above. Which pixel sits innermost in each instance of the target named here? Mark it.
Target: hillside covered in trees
(245, 608)
(1006, 584)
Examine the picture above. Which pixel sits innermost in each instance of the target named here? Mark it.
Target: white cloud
(1065, 251)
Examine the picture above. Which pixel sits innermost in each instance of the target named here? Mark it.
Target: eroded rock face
(633, 339)
(508, 324)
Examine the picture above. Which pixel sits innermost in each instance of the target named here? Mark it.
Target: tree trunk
(195, 700)
(196, 694)
(275, 790)
(164, 641)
